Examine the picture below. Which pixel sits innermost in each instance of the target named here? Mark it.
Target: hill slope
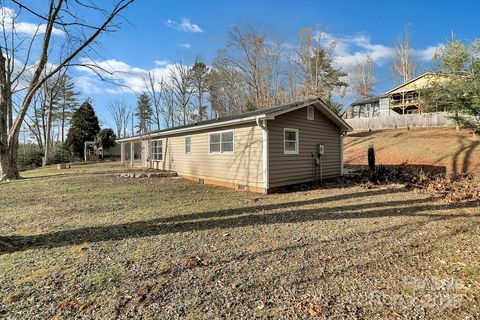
(442, 147)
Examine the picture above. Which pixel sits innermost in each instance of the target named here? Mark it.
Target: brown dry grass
(87, 244)
(445, 147)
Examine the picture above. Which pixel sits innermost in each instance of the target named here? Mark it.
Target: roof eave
(194, 128)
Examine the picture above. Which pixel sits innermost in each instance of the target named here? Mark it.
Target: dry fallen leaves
(454, 188)
(193, 262)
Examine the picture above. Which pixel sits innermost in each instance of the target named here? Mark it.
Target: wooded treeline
(253, 71)
(33, 63)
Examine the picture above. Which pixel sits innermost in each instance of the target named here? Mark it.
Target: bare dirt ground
(453, 151)
(87, 244)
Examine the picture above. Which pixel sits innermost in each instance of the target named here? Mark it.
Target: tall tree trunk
(8, 163)
(200, 104)
(38, 133)
(63, 123)
(48, 135)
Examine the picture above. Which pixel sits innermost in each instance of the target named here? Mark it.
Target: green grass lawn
(84, 243)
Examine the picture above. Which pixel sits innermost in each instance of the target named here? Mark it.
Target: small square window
(290, 141)
(311, 113)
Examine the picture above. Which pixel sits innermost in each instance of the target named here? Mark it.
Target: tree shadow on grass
(254, 216)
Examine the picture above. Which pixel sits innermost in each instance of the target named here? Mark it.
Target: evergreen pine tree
(84, 128)
(143, 114)
(199, 78)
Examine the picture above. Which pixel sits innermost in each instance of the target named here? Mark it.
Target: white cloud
(161, 62)
(425, 54)
(350, 49)
(87, 84)
(184, 25)
(185, 45)
(7, 17)
(123, 77)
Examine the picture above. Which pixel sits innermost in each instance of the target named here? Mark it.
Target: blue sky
(162, 32)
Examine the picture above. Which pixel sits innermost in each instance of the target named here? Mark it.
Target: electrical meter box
(320, 149)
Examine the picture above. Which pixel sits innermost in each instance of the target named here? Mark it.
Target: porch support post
(132, 151)
(122, 152)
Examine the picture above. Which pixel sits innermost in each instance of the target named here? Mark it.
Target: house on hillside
(373, 106)
(403, 99)
(257, 151)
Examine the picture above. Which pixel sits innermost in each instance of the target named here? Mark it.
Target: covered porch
(405, 102)
(132, 153)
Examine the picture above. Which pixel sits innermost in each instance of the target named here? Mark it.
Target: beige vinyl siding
(286, 169)
(242, 167)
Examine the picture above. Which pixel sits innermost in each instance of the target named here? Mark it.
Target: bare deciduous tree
(121, 114)
(60, 19)
(228, 92)
(256, 55)
(52, 90)
(315, 69)
(341, 93)
(403, 67)
(181, 86)
(362, 77)
(155, 95)
(168, 102)
(199, 79)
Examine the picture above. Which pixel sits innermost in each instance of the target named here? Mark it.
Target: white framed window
(188, 145)
(290, 141)
(310, 113)
(221, 142)
(156, 150)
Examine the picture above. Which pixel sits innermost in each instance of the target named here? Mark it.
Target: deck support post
(132, 153)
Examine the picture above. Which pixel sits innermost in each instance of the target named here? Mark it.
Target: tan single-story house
(257, 151)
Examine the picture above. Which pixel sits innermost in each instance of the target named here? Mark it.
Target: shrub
(382, 174)
(61, 154)
(30, 158)
(371, 157)
(105, 138)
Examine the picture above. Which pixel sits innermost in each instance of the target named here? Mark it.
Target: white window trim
(313, 113)
(150, 150)
(297, 145)
(185, 145)
(220, 132)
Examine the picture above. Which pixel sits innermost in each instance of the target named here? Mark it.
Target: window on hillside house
(310, 113)
(156, 150)
(290, 141)
(221, 142)
(188, 145)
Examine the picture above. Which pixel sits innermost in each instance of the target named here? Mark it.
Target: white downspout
(342, 134)
(262, 123)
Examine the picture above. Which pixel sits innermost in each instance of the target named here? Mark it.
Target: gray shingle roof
(368, 100)
(268, 111)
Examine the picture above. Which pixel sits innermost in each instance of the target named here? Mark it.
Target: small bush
(371, 157)
(30, 158)
(61, 154)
